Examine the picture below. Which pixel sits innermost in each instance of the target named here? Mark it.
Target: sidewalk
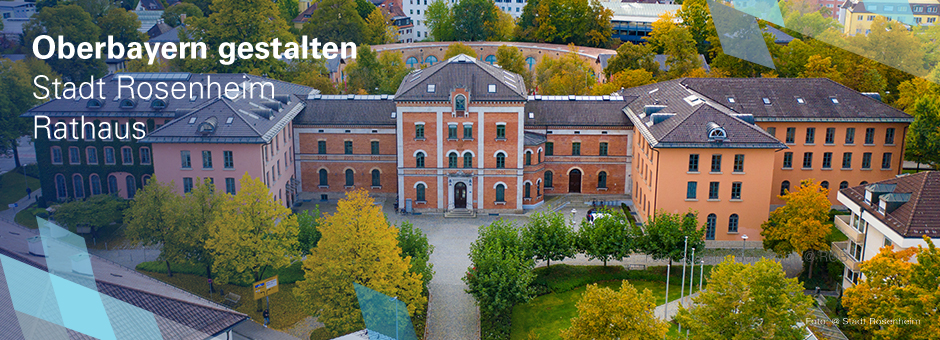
(667, 315)
(10, 214)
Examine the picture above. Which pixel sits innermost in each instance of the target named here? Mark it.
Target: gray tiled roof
(582, 111)
(170, 36)
(783, 93)
(919, 216)
(466, 72)
(339, 110)
(534, 139)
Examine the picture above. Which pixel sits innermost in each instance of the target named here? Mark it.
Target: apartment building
(856, 17)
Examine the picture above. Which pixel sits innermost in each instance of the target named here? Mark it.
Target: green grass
(286, 275)
(13, 187)
(548, 314)
(27, 217)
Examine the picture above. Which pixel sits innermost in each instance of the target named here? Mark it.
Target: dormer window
(192, 120)
(128, 104)
(491, 88)
(800, 100)
(207, 126)
(716, 132)
(158, 104)
(93, 104)
(460, 102)
(766, 101)
(229, 120)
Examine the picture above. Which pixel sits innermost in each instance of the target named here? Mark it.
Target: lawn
(27, 217)
(548, 314)
(13, 187)
(289, 274)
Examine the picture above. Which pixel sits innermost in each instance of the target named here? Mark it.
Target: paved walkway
(667, 314)
(10, 214)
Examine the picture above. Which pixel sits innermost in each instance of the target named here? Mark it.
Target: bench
(232, 299)
(636, 267)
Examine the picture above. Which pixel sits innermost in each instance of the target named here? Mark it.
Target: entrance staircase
(460, 213)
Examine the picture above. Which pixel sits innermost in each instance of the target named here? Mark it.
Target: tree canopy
(923, 136)
(510, 58)
(373, 74)
(476, 20)
(336, 20)
(566, 75)
(172, 16)
(75, 25)
(579, 22)
(548, 237)
(606, 238)
(440, 20)
(604, 313)
(802, 224)
(16, 96)
(459, 48)
(121, 24)
(665, 234)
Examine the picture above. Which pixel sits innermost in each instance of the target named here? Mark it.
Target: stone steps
(460, 213)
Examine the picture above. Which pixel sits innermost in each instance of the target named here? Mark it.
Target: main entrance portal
(460, 195)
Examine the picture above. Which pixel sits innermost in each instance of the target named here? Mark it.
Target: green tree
(477, 20)
(308, 235)
(607, 238)
(459, 48)
(97, 212)
(923, 135)
(440, 20)
(95, 8)
(547, 236)
(364, 8)
(665, 235)
(250, 21)
(140, 65)
(510, 58)
(632, 57)
(892, 44)
(204, 5)
(696, 16)
(250, 234)
(581, 22)
(310, 72)
(567, 75)
(289, 9)
(623, 80)
(75, 26)
(801, 225)
(336, 20)
(500, 275)
(358, 246)
(414, 245)
(16, 96)
(172, 16)
(897, 287)
(376, 30)
(152, 219)
(197, 210)
(121, 24)
(677, 44)
(604, 313)
(373, 74)
(747, 301)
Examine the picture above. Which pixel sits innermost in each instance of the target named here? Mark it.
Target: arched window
(131, 186)
(733, 223)
(419, 192)
(549, 176)
(531, 62)
(710, 227)
(460, 102)
(145, 179)
(452, 160)
(78, 186)
(467, 160)
(602, 180)
(863, 183)
(95, 182)
(824, 184)
(376, 178)
(411, 62)
(843, 185)
(419, 160)
(60, 190)
(500, 160)
(784, 187)
(500, 193)
(323, 179)
(528, 158)
(430, 60)
(491, 59)
(528, 190)
(112, 185)
(349, 177)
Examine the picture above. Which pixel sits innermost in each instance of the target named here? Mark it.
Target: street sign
(265, 288)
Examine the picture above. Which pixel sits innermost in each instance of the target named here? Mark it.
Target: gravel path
(303, 328)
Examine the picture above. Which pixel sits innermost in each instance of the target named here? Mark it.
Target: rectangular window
(886, 161)
(736, 190)
(419, 131)
(321, 147)
(127, 156)
(716, 163)
(603, 149)
(791, 135)
(109, 155)
(889, 136)
(452, 131)
(830, 135)
(811, 135)
(866, 160)
(693, 163)
(74, 158)
(772, 131)
(850, 136)
(576, 148)
(501, 131)
(690, 190)
(807, 160)
(187, 184)
(347, 147)
(847, 160)
(230, 185)
(869, 136)
(738, 163)
(549, 149)
(788, 160)
(228, 159)
(467, 131)
(92, 155)
(56, 155)
(713, 190)
(375, 147)
(207, 159)
(827, 160)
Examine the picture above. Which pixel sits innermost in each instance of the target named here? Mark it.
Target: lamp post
(691, 280)
(395, 306)
(743, 245)
(685, 251)
(702, 277)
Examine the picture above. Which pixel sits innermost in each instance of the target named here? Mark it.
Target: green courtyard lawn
(13, 187)
(548, 314)
(27, 217)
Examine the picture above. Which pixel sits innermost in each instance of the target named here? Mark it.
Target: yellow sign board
(265, 287)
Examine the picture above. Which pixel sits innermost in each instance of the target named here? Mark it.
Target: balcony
(841, 252)
(844, 224)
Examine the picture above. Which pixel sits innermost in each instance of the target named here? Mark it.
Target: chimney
(657, 118)
(183, 18)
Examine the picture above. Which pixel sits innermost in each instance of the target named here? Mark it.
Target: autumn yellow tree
(604, 313)
(801, 225)
(677, 43)
(623, 80)
(896, 288)
(567, 75)
(458, 48)
(357, 246)
(251, 234)
(819, 67)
